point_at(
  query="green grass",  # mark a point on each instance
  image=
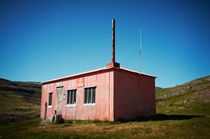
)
(192, 122)
(88, 122)
(182, 112)
(194, 127)
(19, 101)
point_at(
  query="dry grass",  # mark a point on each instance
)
(19, 101)
(195, 127)
(180, 118)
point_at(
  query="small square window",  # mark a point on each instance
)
(89, 96)
(71, 97)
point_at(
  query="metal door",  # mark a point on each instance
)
(59, 101)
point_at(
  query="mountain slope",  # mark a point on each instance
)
(184, 112)
(19, 100)
(190, 98)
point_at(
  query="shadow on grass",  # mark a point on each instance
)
(161, 117)
(158, 117)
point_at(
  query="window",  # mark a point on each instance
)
(90, 94)
(50, 99)
(71, 97)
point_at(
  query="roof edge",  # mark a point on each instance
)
(93, 71)
(141, 73)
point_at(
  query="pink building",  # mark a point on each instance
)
(111, 93)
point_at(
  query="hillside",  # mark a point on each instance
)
(182, 112)
(19, 100)
(192, 98)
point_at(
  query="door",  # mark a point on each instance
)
(59, 100)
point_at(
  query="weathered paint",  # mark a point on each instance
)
(120, 94)
(134, 95)
(103, 109)
(59, 94)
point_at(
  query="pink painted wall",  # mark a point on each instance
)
(134, 95)
(120, 94)
(103, 109)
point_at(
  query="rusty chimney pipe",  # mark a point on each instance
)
(113, 40)
(113, 64)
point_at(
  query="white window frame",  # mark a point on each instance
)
(68, 97)
(89, 104)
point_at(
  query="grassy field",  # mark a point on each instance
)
(19, 101)
(168, 126)
(182, 112)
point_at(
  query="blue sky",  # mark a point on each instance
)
(43, 40)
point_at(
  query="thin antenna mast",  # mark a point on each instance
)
(140, 51)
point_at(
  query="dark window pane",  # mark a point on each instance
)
(93, 95)
(85, 99)
(71, 99)
(89, 95)
(75, 97)
(50, 99)
(72, 95)
(68, 97)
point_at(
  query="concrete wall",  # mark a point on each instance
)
(134, 95)
(103, 109)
